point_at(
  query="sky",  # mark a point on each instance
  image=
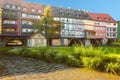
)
(111, 7)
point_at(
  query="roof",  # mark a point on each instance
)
(101, 17)
(38, 35)
(69, 13)
(29, 6)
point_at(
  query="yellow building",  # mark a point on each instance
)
(0, 20)
(89, 24)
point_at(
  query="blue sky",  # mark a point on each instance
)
(111, 7)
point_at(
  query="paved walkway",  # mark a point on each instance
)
(14, 67)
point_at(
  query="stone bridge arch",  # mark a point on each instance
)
(96, 42)
(75, 41)
(15, 42)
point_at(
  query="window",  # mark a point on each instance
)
(26, 31)
(33, 10)
(24, 9)
(39, 11)
(13, 6)
(107, 34)
(8, 6)
(19, 7)
(114, 29)
(114, 35)
(24, 15)
(9, 22)
(114, 24)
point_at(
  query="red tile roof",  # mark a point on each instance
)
(29, 6)
(101, 17)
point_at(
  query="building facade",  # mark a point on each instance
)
(118, 31)
(79, 26)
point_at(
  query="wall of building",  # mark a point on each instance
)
(118, 30)
(0, 20)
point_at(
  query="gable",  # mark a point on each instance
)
(37, 36)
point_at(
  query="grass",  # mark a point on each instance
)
(5, 48)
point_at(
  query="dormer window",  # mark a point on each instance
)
(39, 11)
(110, 19)
(105, 19)
(33, 10)
(24, 9)
(99, 18)
(8, 6)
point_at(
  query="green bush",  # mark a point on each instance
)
(88, 52)
(50, 54)
(93, 63)
(61, 58)
(71, 60)
(115, 44)
(111, 58)
(113, 68)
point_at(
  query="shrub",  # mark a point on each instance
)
(113, 68)
(93, 63)
(108, 58)
(115, 44)
(40, 52)
(88, 52)
(61, 58)
(50, 54)
(71, 60)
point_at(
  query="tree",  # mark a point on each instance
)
(46, 24)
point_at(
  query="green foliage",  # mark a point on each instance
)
(113, 68)
(97, 58)
(111, 58)
(5, 48)
(71, 60)
(115, 44)
(88, 52)
(61, 58)
(50, 54)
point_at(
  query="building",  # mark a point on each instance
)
(80, 26)
(118, 30)
(16, 19)
(105, 27)
(36, 40)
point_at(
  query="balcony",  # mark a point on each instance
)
(26, 26)
(27, 33)
(10, 25)
(9, 33)
(73, 34)
(10, 16)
